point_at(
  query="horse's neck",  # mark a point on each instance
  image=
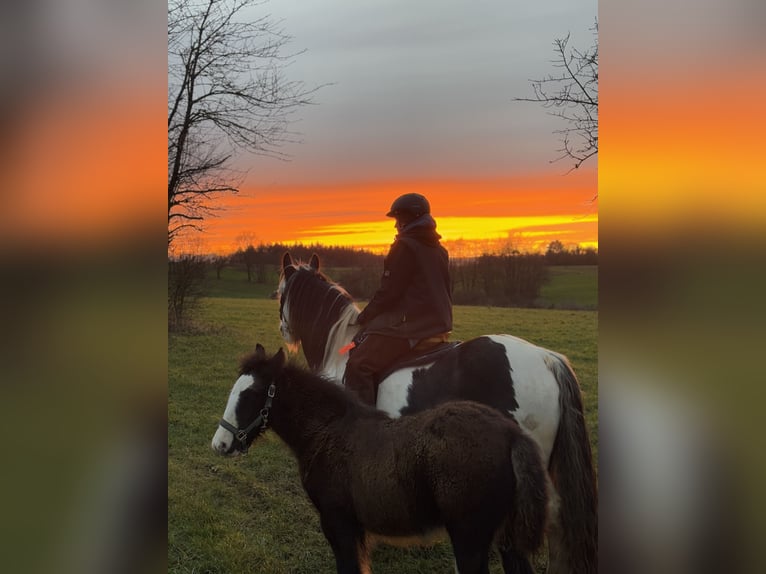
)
(333, 363)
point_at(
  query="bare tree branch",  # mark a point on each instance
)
(227, 92)
(572, 95)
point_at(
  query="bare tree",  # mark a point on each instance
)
(220, 262)
(246, 253)
(227, 92)
(186, 275)
(572, 94)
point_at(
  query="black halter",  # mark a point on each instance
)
(260, 422)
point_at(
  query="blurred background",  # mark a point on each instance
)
(83, 243)
(681, 328)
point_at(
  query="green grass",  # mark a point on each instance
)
(570, 287)
(234, 283)
(250, 514)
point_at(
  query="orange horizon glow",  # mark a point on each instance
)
(533, 232)
(523, 213)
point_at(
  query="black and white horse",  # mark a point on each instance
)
(535, 386)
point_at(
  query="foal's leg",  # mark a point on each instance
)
(515, 563)
(348, 546)
(471, 552)
(471, 560)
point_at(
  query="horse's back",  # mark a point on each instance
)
(502, 371)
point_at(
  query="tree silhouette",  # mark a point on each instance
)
(572, 94)
(227, 92)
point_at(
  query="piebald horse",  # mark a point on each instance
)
(533, 385)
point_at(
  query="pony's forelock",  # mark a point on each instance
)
(248, 363)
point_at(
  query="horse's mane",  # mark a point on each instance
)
(344, 330)
(316, 305)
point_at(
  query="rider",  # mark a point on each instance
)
(413, 305)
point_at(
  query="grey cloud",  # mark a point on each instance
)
(425, 88)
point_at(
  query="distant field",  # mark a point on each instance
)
(233, 283)
(250, 514)
(570, 287)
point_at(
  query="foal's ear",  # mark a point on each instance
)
(279, 358)
(287, 265)
(260, 352)
(314, 262)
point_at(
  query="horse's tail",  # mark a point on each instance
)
(525, 527)
(573, 533)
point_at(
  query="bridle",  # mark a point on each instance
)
(260, 422)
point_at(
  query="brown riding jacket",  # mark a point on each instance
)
(414, 300)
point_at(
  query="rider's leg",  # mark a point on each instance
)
(368, 360)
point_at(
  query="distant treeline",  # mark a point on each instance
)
(511, 279)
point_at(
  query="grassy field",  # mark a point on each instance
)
(570, 287)
(233, 283)
(250, 514)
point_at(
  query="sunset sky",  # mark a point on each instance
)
(680, 121)
(419, 97)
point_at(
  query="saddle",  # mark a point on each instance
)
(424, 353)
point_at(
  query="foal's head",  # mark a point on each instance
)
(247, 411)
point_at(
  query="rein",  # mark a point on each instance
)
(262, 420)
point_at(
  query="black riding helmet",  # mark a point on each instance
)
(409, 206)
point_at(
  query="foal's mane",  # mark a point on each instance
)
(316, 389)
(318, 307)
